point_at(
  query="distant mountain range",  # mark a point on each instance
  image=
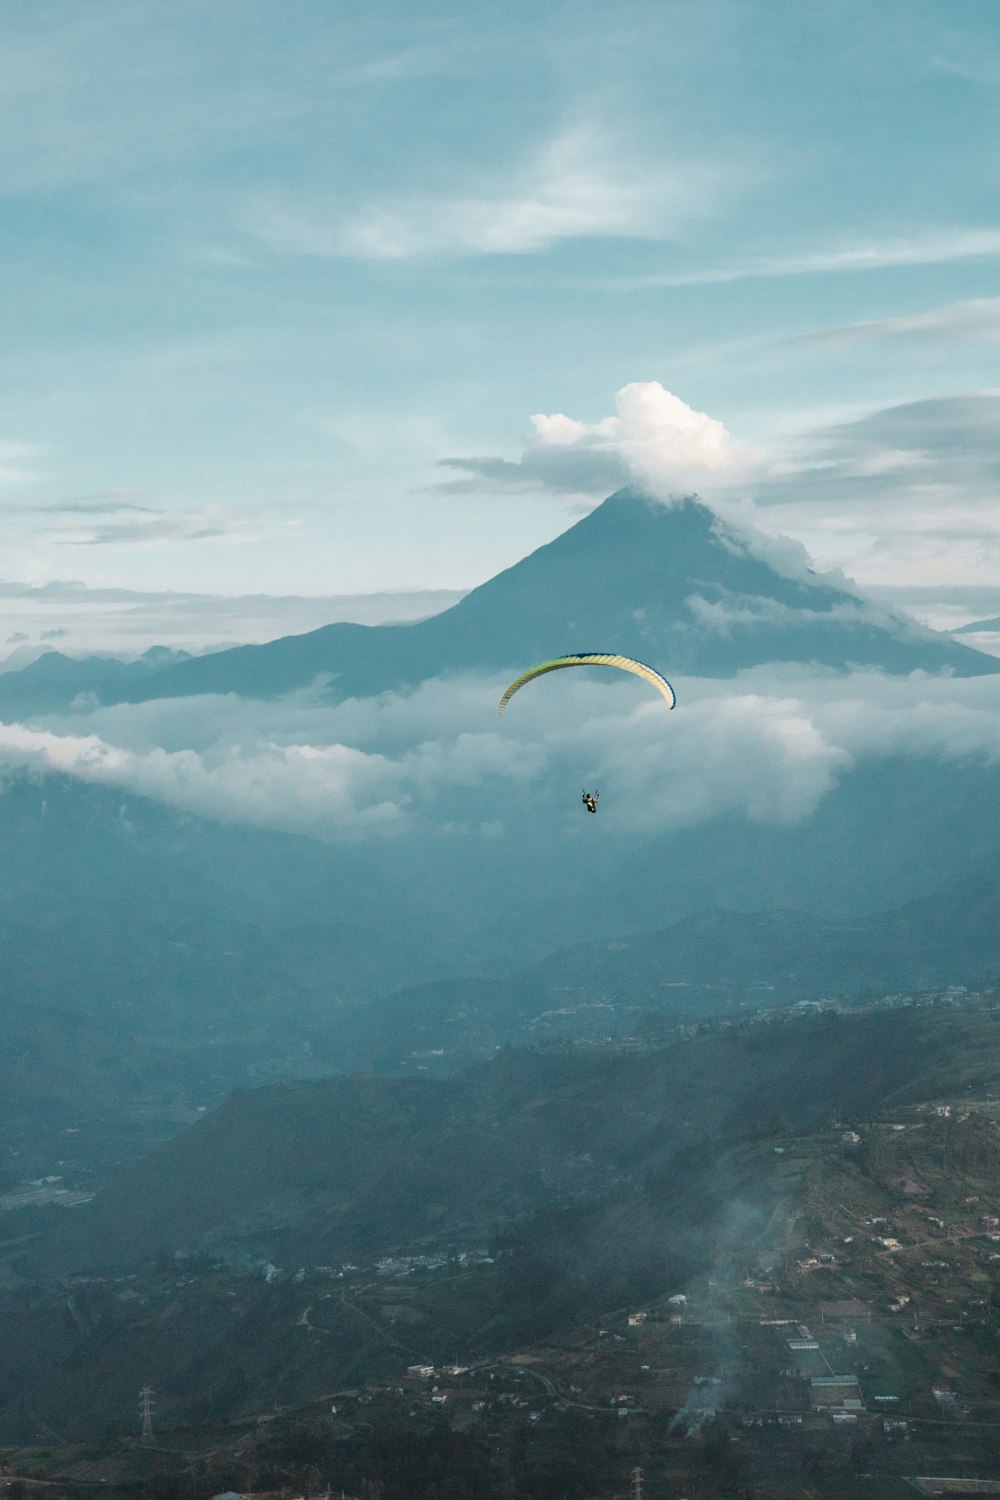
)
(710, 963)
(977, 626)
(52, 682)
(672, 584)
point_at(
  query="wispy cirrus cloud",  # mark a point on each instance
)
(962, 58)
(925, 248)
(164, 530)
(131, 620)
(105, 520)
(976, 320)
(405, 64)
(579, 185)
(946, 446)
(101, 502)
(15, 462)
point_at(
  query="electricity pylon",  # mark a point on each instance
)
(146, 1396)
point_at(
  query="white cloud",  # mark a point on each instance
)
(576, 187)
(655, 440)
(668, 446)
(227, 784)
(298, 766)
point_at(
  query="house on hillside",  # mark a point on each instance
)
(835, 1393)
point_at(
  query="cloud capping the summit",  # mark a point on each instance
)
(654, 440)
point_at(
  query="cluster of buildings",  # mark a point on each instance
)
(42, 1191)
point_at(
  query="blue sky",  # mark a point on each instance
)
(283, 283)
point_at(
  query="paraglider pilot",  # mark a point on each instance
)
(590, 801)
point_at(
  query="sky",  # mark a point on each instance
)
(310, 310)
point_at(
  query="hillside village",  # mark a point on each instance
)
(855, 1333)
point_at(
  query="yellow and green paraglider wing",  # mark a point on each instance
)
(592, 659)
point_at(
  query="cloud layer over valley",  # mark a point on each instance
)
(767, 745)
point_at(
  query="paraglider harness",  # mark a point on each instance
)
(590, 800)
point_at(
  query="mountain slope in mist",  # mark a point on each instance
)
(324, 1171)
(117, 907)
(710, 963)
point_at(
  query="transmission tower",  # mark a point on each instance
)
(146, 1397)
(637, 1490)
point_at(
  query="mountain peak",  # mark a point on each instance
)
(681, 587)
(674, 585)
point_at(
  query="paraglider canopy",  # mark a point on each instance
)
(592, 659)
